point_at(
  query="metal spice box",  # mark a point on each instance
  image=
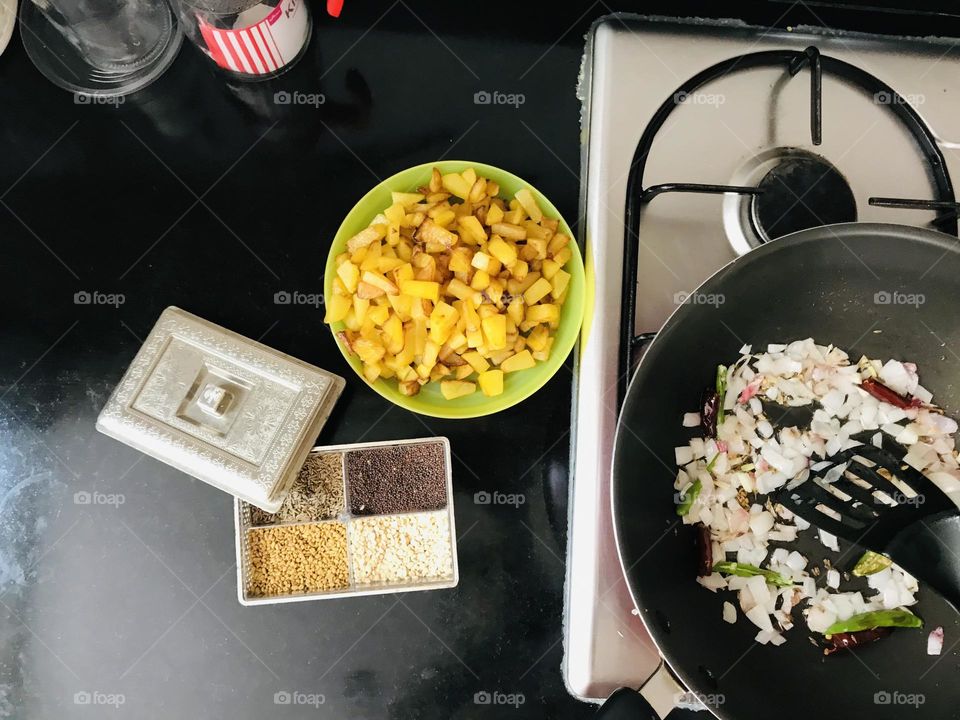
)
(226, 409)
(368, 508)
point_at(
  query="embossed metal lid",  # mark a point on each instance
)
(226, 409)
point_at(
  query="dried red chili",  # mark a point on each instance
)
(704, 550)
(882, 392)
(711, 408)
(849, 640)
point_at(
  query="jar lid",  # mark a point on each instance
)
(226, 409)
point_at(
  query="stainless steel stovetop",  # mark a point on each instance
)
(750, 126)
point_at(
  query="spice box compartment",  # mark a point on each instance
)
(383, 524)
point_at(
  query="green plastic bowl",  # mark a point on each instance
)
(517, 386)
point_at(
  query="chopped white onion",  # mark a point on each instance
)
(729, 612)
(691, 419)
(935, 641)
(753, 453)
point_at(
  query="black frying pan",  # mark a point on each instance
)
(829, 283)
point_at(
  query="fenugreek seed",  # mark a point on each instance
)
(295, 559)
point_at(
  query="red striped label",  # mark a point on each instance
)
(261, 48)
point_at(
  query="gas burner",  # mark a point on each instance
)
(801, 192)
(794, 190)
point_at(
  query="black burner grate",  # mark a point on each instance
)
(793, 61)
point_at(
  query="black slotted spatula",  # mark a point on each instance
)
(884, 505)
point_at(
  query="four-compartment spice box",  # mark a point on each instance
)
(327, 522)
(360, 519)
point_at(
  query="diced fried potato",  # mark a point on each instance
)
(471, 230)
(404, 199)
(549, 268)
(460, 289)
(452, 389)
(542, 313)
(494, 215)
(365, 237)
(350, 275)
(521, 361)
(337, 308)
(428, 290)
(476, 361)
(515, 310)
(360, 307)
(502, 251)
(544, 355)
(494, 291)
(443, 217)
(563, 256)
(368, 350)
(495, 331)
(491, 382)
(367, 291)
(456, 184)
(537, 339)
(385, 265)
(536, 292)
(479, 190)
(560, 282)
(526, 199)
(431, 232)
(393, 330)
(452, 283)
(378, 314)
(481, 261)
(460, 258)
(480, 281)
(379, 281)
(442, 321)
(558, 242)
(408, 387)
(538, 246)
(519, 269)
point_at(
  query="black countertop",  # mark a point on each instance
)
(205, 193)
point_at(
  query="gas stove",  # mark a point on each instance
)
(702, 141)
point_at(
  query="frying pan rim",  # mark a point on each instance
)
(823, 232)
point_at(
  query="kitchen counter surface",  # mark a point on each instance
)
(117, 573)
(212, 196)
